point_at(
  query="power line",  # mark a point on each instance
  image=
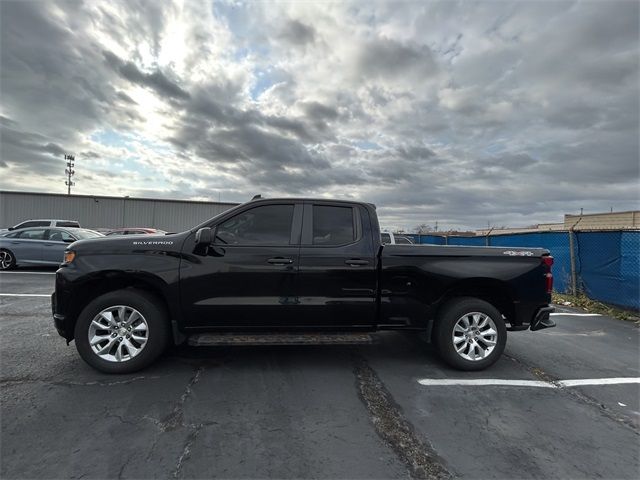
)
(70, 172)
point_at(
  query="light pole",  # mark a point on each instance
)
(70, 172)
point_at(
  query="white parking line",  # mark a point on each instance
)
(576, 314)
(527, 383)
(484, 381)
(598, 381)
(25, 295)
(29, 273)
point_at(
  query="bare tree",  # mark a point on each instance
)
(423, 228)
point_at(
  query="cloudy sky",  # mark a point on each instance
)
(508, 113)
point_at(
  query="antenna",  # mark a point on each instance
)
(70, 172)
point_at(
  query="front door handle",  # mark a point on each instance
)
(279, 261)
(356, 262)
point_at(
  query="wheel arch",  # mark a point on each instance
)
(112, 281)
(495, 292)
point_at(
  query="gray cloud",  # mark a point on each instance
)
(518, 114)
(297, 33)
(156, 80)
(387, 58)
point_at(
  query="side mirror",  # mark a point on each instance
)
(203, 236)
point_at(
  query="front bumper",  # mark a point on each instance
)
(542, 319)
(59, 321)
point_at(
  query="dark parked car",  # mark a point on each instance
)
(294, 265)
(38, 246)
(134, 231)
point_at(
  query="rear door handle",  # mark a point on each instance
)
(355, 262)
(279, 261)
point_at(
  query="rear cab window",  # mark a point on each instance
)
(333, 225)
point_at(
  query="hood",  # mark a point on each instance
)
(130, 243)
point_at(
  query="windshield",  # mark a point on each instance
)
(81, 233)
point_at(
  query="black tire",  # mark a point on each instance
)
(157, 334)
(453, 312)
(7, 259)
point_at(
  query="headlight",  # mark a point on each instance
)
(69, 256)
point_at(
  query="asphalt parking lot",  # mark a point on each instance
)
(390, 409)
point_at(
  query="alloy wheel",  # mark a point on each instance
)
(474, 336)
(118, 333)
(6, 259)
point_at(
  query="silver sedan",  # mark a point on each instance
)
(38, 246)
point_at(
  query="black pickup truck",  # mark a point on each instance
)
(293, 266)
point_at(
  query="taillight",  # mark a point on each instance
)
(548, 262)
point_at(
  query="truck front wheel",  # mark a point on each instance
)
(122, 331)
(470, 333)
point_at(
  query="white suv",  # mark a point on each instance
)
(46, 223)
(391, 239)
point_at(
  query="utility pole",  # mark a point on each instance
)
(70, 172)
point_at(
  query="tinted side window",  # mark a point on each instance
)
(67, 237)
(32, 224)
(68, 224)
(332, 225)
(386, 238)
(403, 241)
(266, 225)
(32, 234)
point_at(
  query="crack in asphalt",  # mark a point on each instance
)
(175, 419)
(186, 451)
(394, 429)
(576, 394)
(125, 464)
(12, 381)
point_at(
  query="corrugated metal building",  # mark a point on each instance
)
(629, 220)
(603, 221)
(94, 211)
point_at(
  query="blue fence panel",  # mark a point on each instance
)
(474, 241)
(630, 268)
(432, 239)
(602, 256)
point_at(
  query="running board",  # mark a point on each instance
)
(213, 339)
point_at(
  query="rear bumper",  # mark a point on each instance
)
(542, 319)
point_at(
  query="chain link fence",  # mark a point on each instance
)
(604, 265)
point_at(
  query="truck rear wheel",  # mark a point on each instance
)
(122, 331)
(470, 333)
